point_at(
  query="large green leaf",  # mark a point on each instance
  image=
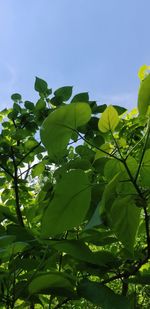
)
(54, 282)
(125, 219)
(109, 120)
(69, 205)
(144, 95)
(102, 295)
(57, 129)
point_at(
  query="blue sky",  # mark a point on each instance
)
(94, 45)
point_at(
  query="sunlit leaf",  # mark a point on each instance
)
(144, 95)
(108, 120)
(143, 71)
(57, 129)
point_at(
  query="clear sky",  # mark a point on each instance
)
(94, 45)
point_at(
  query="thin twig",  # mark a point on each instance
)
(94, 146)
(142, 156)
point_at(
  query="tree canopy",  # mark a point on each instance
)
(75, 198)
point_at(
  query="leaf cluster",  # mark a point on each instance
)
(74, 208)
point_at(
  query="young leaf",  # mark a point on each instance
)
(109, 120)
(40, 85)
(144, 95)
(57, 128)
(142, 73)
(66, 211)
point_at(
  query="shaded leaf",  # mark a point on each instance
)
(102, 295)
(57, 129)
(54, 282)
(108, 120)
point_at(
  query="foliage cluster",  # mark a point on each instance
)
(74, 212)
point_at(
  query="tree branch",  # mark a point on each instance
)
(28, 153)
(94, 146)
(16, 188)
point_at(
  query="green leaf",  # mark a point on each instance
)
(66, 211)
(40, 104)
(125, 219)
(51, 283)
(145, 169)
(81, 97)
(40, 85)
(109, 120)
(78, 250)
(75, 248)
(7, 214)
(112, 166)
(140, 279)
(29, 105)
(109, 196)
(64, 93)
(79, 163)
(6, 240)
(16, 97)
(38, 169)
(102, 296)
(144, 95)
(95, 220)
(57, 129)
(142, 73)
(120, 110)
(21, 233)
(15, 248)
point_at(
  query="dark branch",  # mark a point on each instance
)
(16, 188)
